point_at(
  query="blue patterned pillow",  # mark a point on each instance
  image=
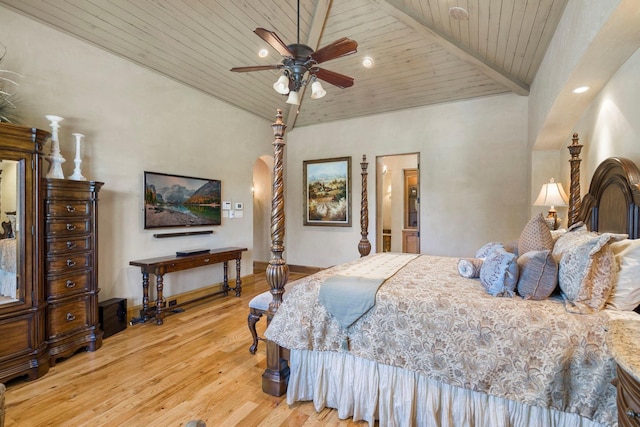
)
(499, 273)
(487, 249)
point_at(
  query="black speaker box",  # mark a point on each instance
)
(113, 316)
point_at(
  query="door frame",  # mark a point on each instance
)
(385, 199)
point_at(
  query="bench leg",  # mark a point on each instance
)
(254, 316)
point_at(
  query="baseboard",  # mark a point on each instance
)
(261, 267)
(183, 298)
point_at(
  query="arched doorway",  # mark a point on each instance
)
(262, 187)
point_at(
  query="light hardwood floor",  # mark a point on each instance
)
(195, 366)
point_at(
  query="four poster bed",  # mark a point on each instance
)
(440, 349)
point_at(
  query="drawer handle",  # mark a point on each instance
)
(71, 245)
(71, 284)
(70, 208)
(71, 227)
(71, 263)
(71, 317)
(206, 260)
(632, 414)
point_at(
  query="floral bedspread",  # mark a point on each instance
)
(429, 319)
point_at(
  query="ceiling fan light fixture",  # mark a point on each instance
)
(293, 98)
(282, 85)
(367, 62)
(317, 91)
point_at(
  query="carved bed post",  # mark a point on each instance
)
(364, 247)
(276, 375)
(574, 189)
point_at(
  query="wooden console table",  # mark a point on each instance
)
(161, 265)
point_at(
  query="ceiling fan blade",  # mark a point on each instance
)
(334, 78)
(338, 48)
(274, 41)
(256, 68)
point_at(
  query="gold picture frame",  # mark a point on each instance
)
(327, 192)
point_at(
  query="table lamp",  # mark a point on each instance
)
(552, 194)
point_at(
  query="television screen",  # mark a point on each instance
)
(180, 201)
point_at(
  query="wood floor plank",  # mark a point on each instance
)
(195, 366)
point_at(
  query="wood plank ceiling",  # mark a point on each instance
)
(421, 54)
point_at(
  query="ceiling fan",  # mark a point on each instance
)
(300, 64)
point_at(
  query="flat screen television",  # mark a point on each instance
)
(180, 201)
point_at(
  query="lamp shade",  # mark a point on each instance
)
(293, 98)
(317, 91)
(282, 85)
(551, 194)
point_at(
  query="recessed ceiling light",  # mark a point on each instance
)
(581, 89)
(458, 13)
(263, 53)
(367, 62)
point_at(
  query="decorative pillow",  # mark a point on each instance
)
(587, 269)
(484, 251)
(535, 236)
(470, 267)
(538, 275)
(626, 289)
(499, 273)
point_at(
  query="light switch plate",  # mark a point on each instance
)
(226, 206)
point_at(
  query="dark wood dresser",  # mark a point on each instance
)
(71, 266)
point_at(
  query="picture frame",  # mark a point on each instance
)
(327, 192)
(181, 201)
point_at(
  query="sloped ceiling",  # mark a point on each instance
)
(422, 55)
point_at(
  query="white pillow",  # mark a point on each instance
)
(626, 290)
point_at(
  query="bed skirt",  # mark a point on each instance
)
(365, 390)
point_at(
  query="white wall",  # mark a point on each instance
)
(611, 125)
(595, 46)
(474, 176)
(135, 120)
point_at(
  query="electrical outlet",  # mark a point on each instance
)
(173, 302)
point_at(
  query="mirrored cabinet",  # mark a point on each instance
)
(23, 346)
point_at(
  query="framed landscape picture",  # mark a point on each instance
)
(327, 192)
(180, 201)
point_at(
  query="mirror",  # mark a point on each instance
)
(9, 230)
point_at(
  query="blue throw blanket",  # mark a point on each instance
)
(348, 298)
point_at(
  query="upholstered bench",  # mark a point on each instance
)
(258, 306)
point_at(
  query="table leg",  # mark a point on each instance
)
(159, 299)
(238, 280)
(225, 284)
(145, 296)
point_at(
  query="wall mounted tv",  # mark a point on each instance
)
(180, 201)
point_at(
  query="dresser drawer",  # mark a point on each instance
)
(64, 192)
(60, 245)
(68, 285)
(67, 317)
(67, 264)
(68, 208)
(68, 228)
(628, 400)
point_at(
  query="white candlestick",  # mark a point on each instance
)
(77, 174)
(55, 157)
